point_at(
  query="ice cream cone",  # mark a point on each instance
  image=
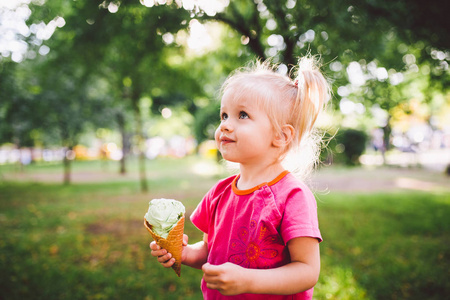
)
(173, 243)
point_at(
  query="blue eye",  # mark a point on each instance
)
(224, 116)
(243, 115)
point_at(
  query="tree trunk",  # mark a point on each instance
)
(67, 167)
(123, 168)
(141, 146)
(121, 123)
(142, 172)
(386, 139)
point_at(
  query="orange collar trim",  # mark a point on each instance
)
(249, 191)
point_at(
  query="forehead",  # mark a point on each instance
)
(240, 98)
(232, 102)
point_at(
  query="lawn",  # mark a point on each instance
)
(87, 240)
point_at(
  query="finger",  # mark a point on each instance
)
(206, 276)
(154, 246)
(211, 270)
(211, 279)
(212, 286)
(164, 258)
(185, 240)
(168, 263)
(158, 253)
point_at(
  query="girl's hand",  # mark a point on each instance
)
(165, 258)
(229, 279)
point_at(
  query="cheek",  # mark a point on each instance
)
(217, 135)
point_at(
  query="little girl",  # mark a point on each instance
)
(261, 233)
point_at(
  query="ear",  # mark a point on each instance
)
(285, 137)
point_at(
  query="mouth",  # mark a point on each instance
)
(226, 140)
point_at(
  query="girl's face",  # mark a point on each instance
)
(245, 134)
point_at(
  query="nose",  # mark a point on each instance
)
(225, 125)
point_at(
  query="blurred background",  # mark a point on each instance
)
(107, 104)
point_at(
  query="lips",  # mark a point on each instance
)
(226, 140)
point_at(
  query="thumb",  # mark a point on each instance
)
(205, 267)
(185, 239)
(209, 269)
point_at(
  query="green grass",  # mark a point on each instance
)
(385, 246)
(87, 241)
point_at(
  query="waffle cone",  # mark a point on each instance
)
(173, 243)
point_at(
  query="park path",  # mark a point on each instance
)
(379, 179)
(324, 180)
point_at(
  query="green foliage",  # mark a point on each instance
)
(394, 35)
(354, 142)
(205, 119)
(333, 23)
(345, 147)
(10, 108)
(102, 64)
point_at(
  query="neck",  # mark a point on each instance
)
(253, 175)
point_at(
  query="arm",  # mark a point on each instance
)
(193, 255)
(299, 275)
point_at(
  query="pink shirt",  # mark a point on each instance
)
(251, 228)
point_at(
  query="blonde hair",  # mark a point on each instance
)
(297, 102)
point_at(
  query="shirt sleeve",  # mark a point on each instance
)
(200, 216)
(300, 216)
(204, 213)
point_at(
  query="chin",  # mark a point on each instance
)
(230, 158)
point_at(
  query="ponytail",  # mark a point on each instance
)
(313, 92)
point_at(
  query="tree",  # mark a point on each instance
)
(121, 42)
(129, 49)
(131, 55)
(385, 41)
(352, 29)
(63, 104)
